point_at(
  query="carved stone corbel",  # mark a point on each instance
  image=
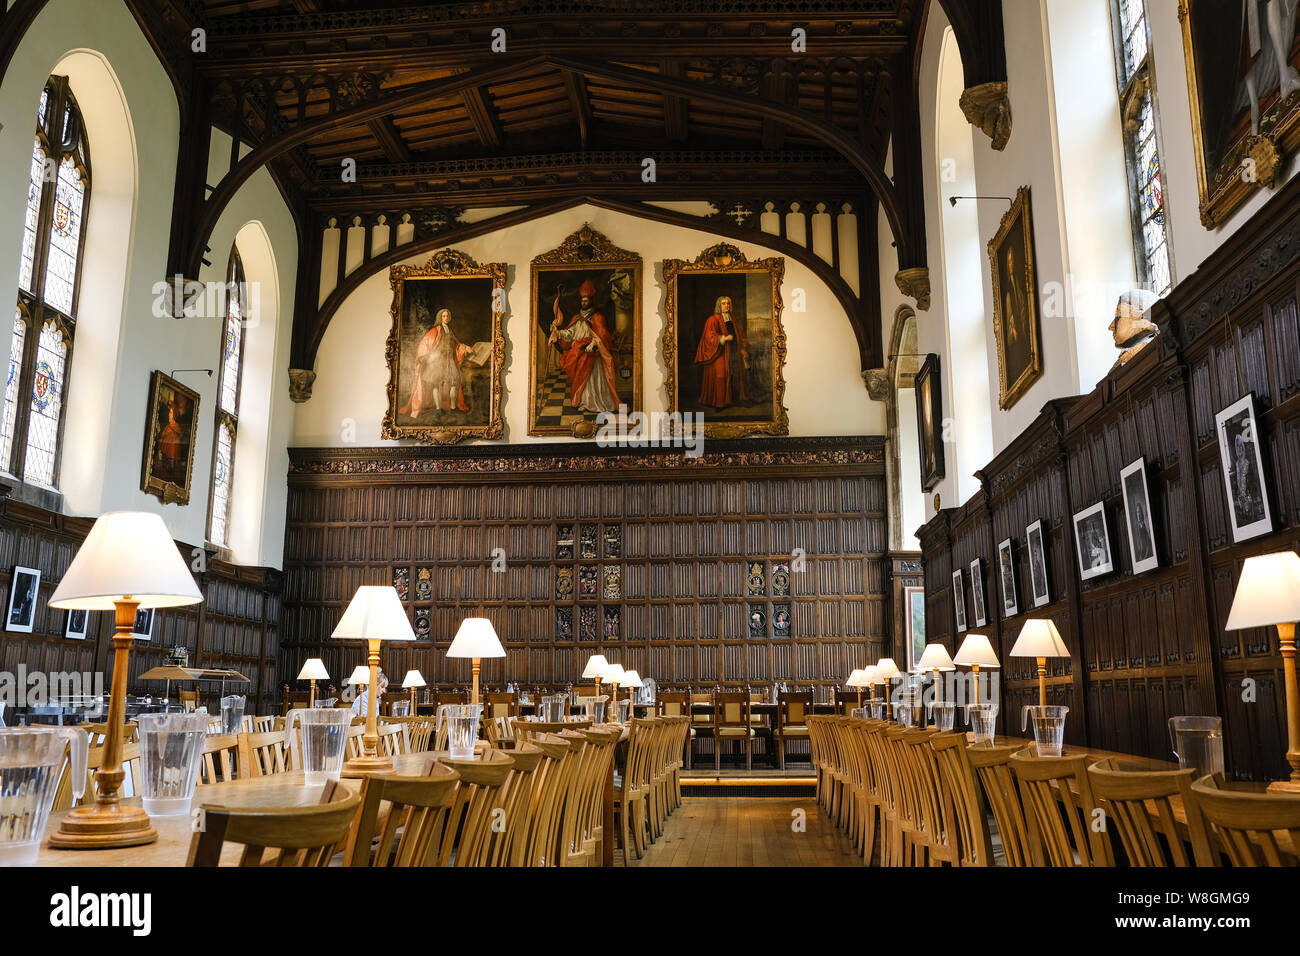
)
(915, 282)
(988, 108)
(300, 383)
(877, 382)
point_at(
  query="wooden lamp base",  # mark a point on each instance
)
(371, 761)
(97, 827)
(367, 766)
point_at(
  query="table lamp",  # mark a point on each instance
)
(869, 679)
(1268, 593)
(313, 671)
(596, 667)
(613, 675)
(976, 652)
(886, 671)
(857, 679)
(1039, 638)
(375, 614)
(476, 639)
(413, 680)
(127, 562)
(631, 680)
(361, 675)
(935, 658)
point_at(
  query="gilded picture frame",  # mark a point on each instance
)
(446, 350)
(583, 360)
(1233, 159)
(1015, 302)
(171, 430)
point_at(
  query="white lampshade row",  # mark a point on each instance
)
(630, 679)
(886, 670)
(361, 675)
(376, 613)
(856, 678)
(1268, 592)
(935, 657)
(127, 555)
(976, 651)
(869, 675)
(596, 666)
(1039, 638)
(613, 674)
(476, 638)
(414, 679)
(314, 669)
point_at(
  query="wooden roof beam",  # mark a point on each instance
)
(390, 139)
(576, 87)
(482, 116)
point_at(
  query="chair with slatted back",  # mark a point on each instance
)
(887, 793)
(220, 759)
(792, 712)
(1251, 829)
(1017, 830)
(872, 814)
(731, 723)
(964, 818)
(1139, 806)
(393, 740)
(97, 732)
(263, 754)
(518, 804)
(671, 703)
(500, 704)
(352, 743)
(911, 811)
(410, 831)
(932, 801)
(480, 795)
(545, 822)
(130, 786)
(1057, 794)
(632, 792)
(582, 821)
(303, 836)
(420, 732)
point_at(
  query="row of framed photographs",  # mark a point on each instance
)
(20, 614)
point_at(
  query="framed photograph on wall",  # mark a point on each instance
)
(446, 350)
(977, 592)
(24, 591)
(959, 600)
(1037, 548)
(1007, 575)
(929, 421)
(171, 429)
(75, 626)
(1137, 517)
(1243, 470)
(914, 608)
(142, 629)
(724, 348)
(1015, 302)
(1092, 542)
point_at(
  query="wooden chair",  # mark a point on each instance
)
(530, 729)
(1017, 831)
(393, 740)
(420, 732)
(1057, 793)
(97, 732)
(540, 847)
(518, 805)
(672, 704)
(1140, 805)
(264, 753)
(501, 704)
(792, 712)
(130, 787)
(963, 815)
(1252, 829)
(352, 743)
(189, 699)
(731, 722)
(304, 836)
(220, 759)
(631, 794)
(411, 830)
(480, 795)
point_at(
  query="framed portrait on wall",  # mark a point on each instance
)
(1092, 542)
(929, 421)
(959, 600)
(1137, 517)
(977, 593)
(1242, 62)
(76, 624)
(171, 429)
(446, 350)
(914, 608)
(24, 592)
(1243, 470)
(1007, 577)
(584, 335)
(1015, 302)
(1037, 548)
(142, 629)
(724, 348)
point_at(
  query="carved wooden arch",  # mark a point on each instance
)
(308, 340)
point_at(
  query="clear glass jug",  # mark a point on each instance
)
(232, 714)
(942, 713)
(171, 746)
(462, 728)
(319, 751)
(594, 708)
(624, 709)
(1197, 742)
(982, 719)
(1049, 727)
(30, 761)
(552, 709)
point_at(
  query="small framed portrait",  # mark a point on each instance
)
(170, 432)
(1243, 470)
(914, 608)
(1015, 302)
(1007, 576)
(757, 621)
(1037, 548)
(977, 592)
(24, 590)
(1093, 542)
(929, 421)
(959, 600)
(142, 629)
(76, 624)
(1137, 517)
(781, 620)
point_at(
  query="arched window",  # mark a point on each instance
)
(1133, 71)
(45, 318)
(227, 423)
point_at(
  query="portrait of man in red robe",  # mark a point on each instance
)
(586, 352)
(438, 381)
(723, 357)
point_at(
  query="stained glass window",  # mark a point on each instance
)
(49, 268)
(221, 480)
(227, 424)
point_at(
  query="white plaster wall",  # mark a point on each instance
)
(824, 392)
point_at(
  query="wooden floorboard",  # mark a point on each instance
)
(749, 831)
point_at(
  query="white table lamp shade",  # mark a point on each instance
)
(613, 674)
(376, 613)
(869, 675)
(935, 657)
(1268, 592)
(886, 670)
(476, 638)
(361, 675)
(314, 669)
(976, 651)
(126, 555)
(857, 678)
(1039, 638)
(596, 667)
(414, 679)
(630, 679)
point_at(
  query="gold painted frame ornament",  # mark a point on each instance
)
(585, 257)
(171, 430)
(1021, 296)
(726, 259)
(449, 264)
